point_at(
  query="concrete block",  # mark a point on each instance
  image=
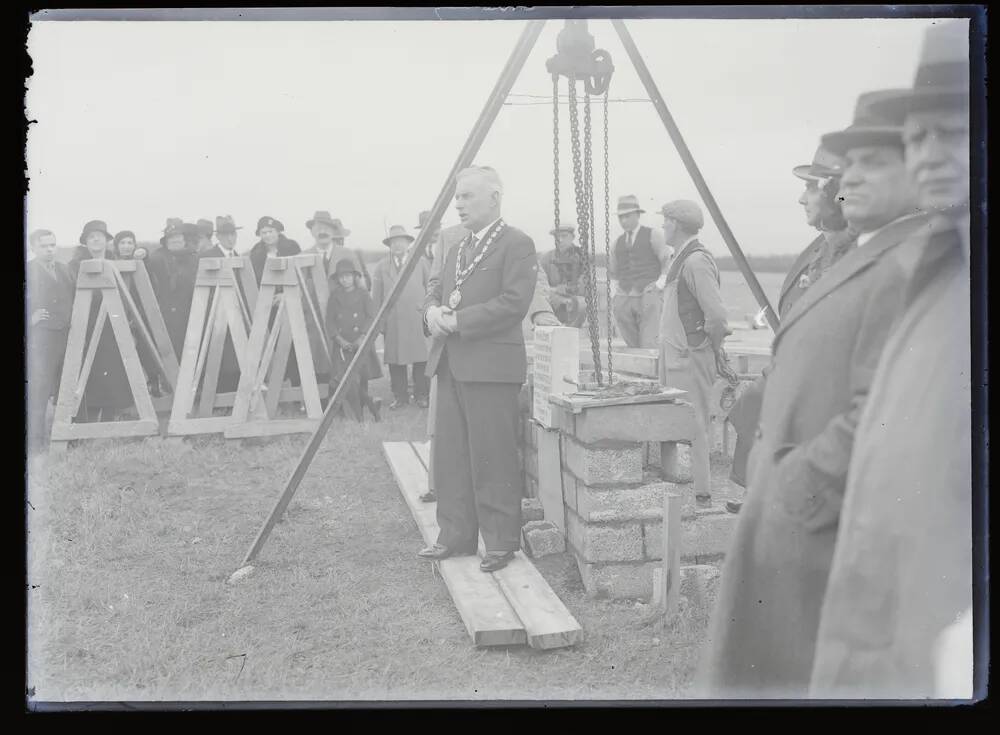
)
(604, 542)
(618, 581)
(703, 538)
(644, 502)
(543, 538)
(603, 463)
(639, 422)
(569, 486)
(653, 454)
(531, 510)
(700, 584)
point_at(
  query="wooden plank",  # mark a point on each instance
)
(185, 388)
(488, 617)
(105, 430)
(577, 402)
(670, 584)
(303, 354)
(277, 427)
(191, 427)
(95, 339)
(130, 357)
(158, 327)
(546, 620)
(210, 384)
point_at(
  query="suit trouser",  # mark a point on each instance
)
(745, 417)
(46, 350)
(400, 384)
(477, 478)
(638, 317)
(697, 376)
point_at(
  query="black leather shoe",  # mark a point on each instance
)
(429, 497)
(494, 561)
(733, 506)
(435, 551)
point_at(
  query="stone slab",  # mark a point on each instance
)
(543, 538)
(603, 463)
(618, 581)
(703, 538)
(605, 541)
(641, 422)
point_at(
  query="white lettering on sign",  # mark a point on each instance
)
(556, 368)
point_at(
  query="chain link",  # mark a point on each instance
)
(588, 180)
(607, 238)
(582, 218)
(555, 153)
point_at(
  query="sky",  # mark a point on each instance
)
(136, 122)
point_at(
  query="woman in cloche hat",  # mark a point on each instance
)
(272, 243)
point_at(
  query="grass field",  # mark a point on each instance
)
(131, 544)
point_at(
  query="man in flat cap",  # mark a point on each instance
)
(563, 268)
(897, 618)
(764, 626)
(693, 326)
(638, 266)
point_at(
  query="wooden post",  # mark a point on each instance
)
(136, 276)
(670, 580)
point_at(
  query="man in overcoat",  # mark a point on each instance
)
(896, 620)
(226, 234)
(49, 295)
(474, 312)
(763, 631)
(405, 346)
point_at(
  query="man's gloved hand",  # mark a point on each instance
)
(449, 321)
(434, 321)
(140, 254)
(545, 319)
(661, 282)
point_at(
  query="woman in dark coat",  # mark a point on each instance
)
(107, 393)
(349, 313)
(173, 270)
(272, 243)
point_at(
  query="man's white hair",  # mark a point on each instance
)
(487, 173)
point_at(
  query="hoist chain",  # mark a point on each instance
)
(588, 181)
(607, 238)
(582, 218)
(555, 153)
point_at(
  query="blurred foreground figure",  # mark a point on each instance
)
(763, 631)
(896, 621)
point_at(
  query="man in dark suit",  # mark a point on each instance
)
(764, 627)
(474, 312)
(50, 291)
(226, 233)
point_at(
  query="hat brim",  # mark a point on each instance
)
(228, 229)
(844, 140)
(630, 211)
(387, 240)
(896, 107)
(809, 172)
(83, 237)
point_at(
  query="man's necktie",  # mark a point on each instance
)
(628, 239)
(466, 252)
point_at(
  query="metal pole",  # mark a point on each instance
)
(465, 157)
(692, 169)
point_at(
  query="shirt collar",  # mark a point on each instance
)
(687, 242)
(866, 237)
(479, 234)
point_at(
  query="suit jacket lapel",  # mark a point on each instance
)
(804, 259)
(856, 261)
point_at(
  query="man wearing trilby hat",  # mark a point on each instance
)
(402, 326)
(823, 211)
(226, 234)
(638, 266)
(764, 626)
(902, 571)
(563, 268)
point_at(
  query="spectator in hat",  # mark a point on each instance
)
(226, 234)
(764, 627)
(107, 393)
(349, 314)
(328, 240)
(638, 267)
(173, 269)
(563, 268)
(95, 242)
(402, 326)
(693, 326)
(823, 212)
(423, 218)
(205, 230)
(272, 244)
(896, 620)
(49, 293)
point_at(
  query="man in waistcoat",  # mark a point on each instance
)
(693, 326)
(638, 266)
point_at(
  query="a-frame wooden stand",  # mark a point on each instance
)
(255, 409)
(137, 281)
(225, 297)
(117, 309)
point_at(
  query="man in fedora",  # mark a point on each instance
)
(822, 210)
(328, 240)
(693, 326)
(764, 626)
(474, 312)
(638, 266)
(226, 235)
(49, 292)
(896, 621)
(405, 344)
(563, 268)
